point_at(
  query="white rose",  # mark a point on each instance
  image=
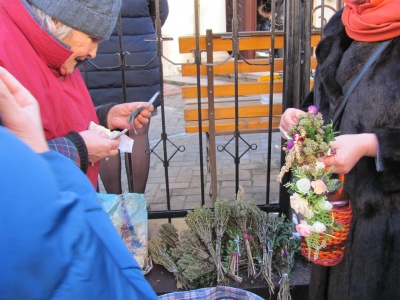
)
(318, 227)
(300, 206)
(320, 165)
(324, 205)
(303, 185)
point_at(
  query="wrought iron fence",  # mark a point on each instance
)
(301, 19)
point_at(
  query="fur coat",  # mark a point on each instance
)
(371, 266)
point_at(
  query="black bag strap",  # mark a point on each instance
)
(339, 110)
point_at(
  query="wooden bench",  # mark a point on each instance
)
(253, 116)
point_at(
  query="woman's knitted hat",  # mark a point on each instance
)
(96, 18)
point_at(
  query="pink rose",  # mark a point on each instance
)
(318, 186)
(304, 229)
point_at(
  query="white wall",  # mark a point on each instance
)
(180, 22)
(328, 12)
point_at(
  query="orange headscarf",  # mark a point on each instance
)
(372, 21)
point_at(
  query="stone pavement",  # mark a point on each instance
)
(183, 167)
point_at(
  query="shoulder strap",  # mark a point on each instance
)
(374, 56)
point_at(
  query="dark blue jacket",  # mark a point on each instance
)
(143, 75)
(56, 240)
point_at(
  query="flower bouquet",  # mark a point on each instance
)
(323, 216)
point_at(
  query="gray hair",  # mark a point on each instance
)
(96, 18)
(60, 32)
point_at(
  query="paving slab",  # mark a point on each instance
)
(184, 166)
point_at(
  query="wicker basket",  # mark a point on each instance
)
(333, 252)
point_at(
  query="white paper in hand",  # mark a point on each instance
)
(125, 144)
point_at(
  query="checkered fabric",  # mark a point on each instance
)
(65, 147)
(213, 293)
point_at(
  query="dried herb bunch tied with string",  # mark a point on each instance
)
(284, 261)
(243, 216)
(222, 214)
(265, 232)
(201, 221)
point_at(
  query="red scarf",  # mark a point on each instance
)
(373, 21)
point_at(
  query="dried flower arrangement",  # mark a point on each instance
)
(210, 252)
(312, 183)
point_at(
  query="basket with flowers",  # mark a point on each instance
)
(316, 197)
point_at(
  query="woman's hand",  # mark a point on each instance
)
(118, 115)
(349, 149)
(99, 145)
(289, 118)
(20, 112)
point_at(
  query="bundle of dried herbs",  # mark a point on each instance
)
(232, 245)
(222, 213)
(194, 261)
(264, 231)
(200, 273)
(159, 253)
(242, 212)
(285, 248)
(191, 243)
(284, 263)
(201, 221)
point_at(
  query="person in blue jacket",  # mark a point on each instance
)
(56, 240)
(133, 41)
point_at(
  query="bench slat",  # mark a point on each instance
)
(245, 124)
(228, 90)
(260, 42)
(258, 65)
(186, 44)
(226, 110)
